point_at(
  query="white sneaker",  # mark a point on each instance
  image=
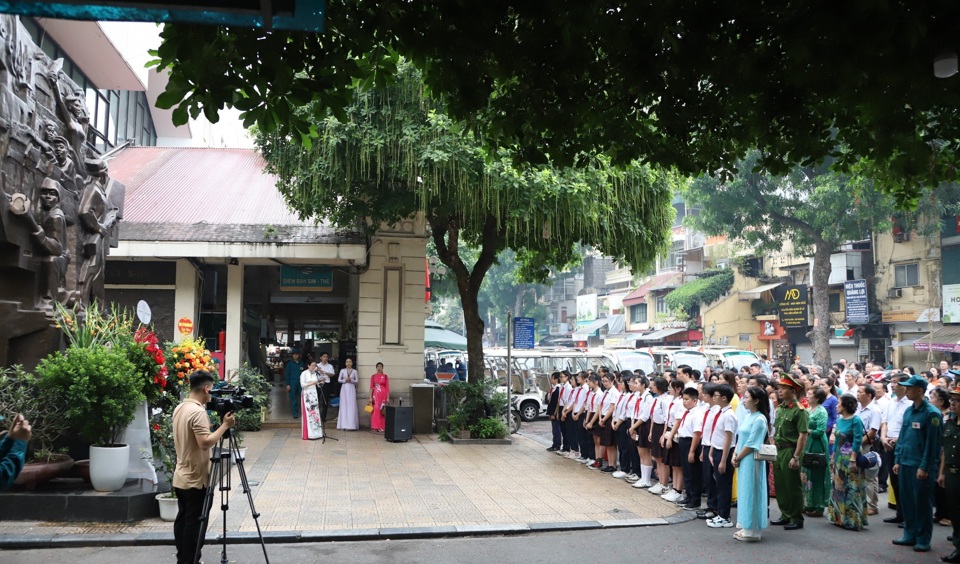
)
(589, 461)
(640, 485)
(631, 478)
(720, 523)
(657, 490)
(671, 496)
(619, 474)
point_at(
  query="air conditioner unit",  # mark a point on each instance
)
(895, 293)
(901, 237)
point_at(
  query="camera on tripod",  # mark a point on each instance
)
(229, 399)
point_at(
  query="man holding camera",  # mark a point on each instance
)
(193, 440)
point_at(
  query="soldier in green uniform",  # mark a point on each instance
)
(790, 436)
(949, 478)
(916, 461)
(291, 373)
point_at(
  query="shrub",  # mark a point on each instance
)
(489, 428)
(44, 409)
(708, 288)
(100, 387)
(470, 402)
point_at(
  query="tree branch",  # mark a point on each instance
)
(490, 244)
(785, 219)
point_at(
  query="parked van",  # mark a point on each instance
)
(734, 359)
(532, 368)
(669, 358)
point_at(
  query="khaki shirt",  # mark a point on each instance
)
(190, 420)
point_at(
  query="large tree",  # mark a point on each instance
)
(395, 153)
(673, 82)
(815, 209)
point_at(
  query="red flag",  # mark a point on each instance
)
(427, 286)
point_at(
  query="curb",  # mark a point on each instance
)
(20, 542)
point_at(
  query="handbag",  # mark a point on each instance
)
(368, 408)
(814, 460)
(766, 453)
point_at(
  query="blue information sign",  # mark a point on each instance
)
(523, 332)
(855, 294)
(306, 278)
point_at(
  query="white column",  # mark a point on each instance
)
(234, 318)
(185, 299)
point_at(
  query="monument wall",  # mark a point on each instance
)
(58, 206)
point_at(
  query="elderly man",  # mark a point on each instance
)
(916, 461)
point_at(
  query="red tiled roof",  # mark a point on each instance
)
(639, 295)
(175, 185)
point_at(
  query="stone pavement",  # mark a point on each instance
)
(365, 487)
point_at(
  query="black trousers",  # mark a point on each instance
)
(692, 472)
(724, 484)
(888, 458)
(629, 457)
(587, 448)
(707, 478)
(558, 433)
(187, 529)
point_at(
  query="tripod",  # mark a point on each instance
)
(220, 476)
(323, 419)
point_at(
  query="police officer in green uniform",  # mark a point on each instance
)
(916, 461)
(790, 436)
(949, 478)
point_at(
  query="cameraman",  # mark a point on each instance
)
(13, 450)
(192, 440)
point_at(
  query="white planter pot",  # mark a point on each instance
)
(108, 467)
(243, 454)
(168, 507)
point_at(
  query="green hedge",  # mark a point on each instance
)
(708, 288)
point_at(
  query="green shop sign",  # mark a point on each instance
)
(306, 278)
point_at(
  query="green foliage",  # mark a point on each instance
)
(164, 450)
(92, 327)
(566, 81)
(470, 402)
(708, 288)
(100, 388)
(257, 386)
(44, 408)
(489, 428)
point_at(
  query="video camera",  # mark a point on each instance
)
(229, 399)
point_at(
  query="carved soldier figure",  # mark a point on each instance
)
(74, 115)
(96, 218)
(49, 233)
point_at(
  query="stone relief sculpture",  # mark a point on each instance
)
(58, 206)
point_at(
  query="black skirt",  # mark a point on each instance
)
(655, 448)
(607, 437)
(673, 456)
(642, 431)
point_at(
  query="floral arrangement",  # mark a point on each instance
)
(92, 327)
(164, 453)
(185, 357)
(145, 353)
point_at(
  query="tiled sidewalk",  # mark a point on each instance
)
(364, 482)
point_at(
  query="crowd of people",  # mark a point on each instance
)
(824, 444)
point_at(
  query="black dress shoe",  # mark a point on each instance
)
(904, 542)
(553, 449)
(793, 526)
(953, 558)
(893, 519)
(780, 521)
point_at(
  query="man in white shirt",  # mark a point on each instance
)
(707, 426)
(890, 433)
(872, 419)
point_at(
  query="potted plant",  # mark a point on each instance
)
(102, 392)
(19, 393)
(165, 460)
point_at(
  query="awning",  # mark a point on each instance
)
(907, 342)
(757, 293)
(436, 336)
(661, 334)
(945, 339)
(583, 333)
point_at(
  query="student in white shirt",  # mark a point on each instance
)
(711, 416)
(721, 449)
(659, 418)
(671, 454)
(629, 458)
(639, 427)
(604, 420)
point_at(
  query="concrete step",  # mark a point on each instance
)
(281, 424)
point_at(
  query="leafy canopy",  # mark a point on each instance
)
(685, 84)
(398, 154)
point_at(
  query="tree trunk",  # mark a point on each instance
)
(446, 238)
(821, 304)
(518, 301)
